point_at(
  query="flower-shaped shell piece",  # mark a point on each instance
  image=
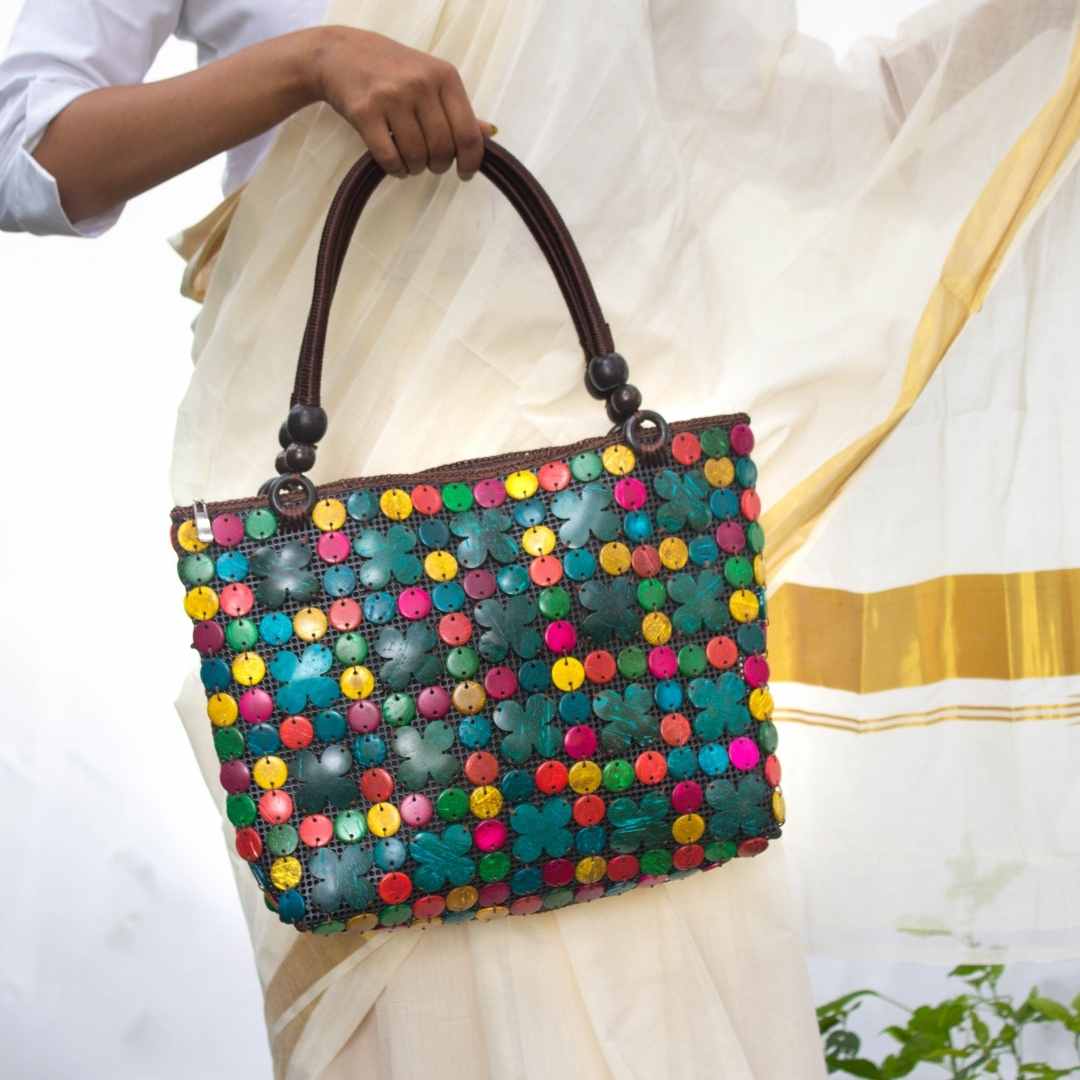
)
(284, 573)
(629, 717)
(530, 728)
(425, 754)
(585, 515)
(408, 656)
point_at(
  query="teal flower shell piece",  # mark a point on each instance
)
(529, 729)
(389, 555)
(442, 859)
(324, 781)
(508, 627)
(484, 537)
(303, 679)
(637, 825)
(340, 880)
(585, 515)
(740, 807)
(408, 656)
(284, 573)
(628, 717)
(684, 500)
(702, 602)
(721, 702)
(612, 610)
(425, 755)
(541, 829)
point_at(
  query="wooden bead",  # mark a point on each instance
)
(306, 423)
(624, 401)
(605, 373)
(299, 457)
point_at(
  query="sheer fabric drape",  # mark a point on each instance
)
(766, 231)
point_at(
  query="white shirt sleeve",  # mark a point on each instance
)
(60, 49)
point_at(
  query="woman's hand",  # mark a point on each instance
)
(410, 108)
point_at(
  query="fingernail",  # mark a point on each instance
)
(494, 129)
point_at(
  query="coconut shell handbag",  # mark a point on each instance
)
(495, 687)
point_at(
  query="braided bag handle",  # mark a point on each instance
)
(606, 372)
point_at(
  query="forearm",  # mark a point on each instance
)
(111, 144)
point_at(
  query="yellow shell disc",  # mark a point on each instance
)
(328, 514)
(248, 668)
(310, 623)
(270, 772)
(521, 485)
(615, 557)
(383, 819)
(461, 898)
(285, 872)
(590, 869)
(222, 709)
(656, 628)
(357, 682)
(201, 602)
(760, 703)
(538, 540)
(440, 565)
(688, 828)
(567, 673)
(744, 605)
(673, 552)
(585, 777)
(719, 471)
(485, 801)
(395, 504)
(188, 537)
(617, 459)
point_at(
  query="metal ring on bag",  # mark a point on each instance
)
(632, 431)
(281, 492)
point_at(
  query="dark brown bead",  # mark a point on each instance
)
(299, 457)
(306, 423)
(624, 401)
(605, 373)
(279, 463)
(283, 436)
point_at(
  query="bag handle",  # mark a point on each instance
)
(606, 371)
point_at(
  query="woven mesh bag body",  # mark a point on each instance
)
(493, 687)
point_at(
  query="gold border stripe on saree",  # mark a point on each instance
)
(1022, 625)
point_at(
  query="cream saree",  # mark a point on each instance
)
(766, 231)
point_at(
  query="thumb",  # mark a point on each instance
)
(488, 128)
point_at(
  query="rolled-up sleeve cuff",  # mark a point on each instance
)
(31, 200)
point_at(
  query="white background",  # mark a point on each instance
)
(126, 953)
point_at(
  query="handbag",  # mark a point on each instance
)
(497, 686)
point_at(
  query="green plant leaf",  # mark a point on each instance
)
(982, 1032)
(899, 1065)
(842, 1044)
(840, 1002)
(858, 1067)
(1050, 1009)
